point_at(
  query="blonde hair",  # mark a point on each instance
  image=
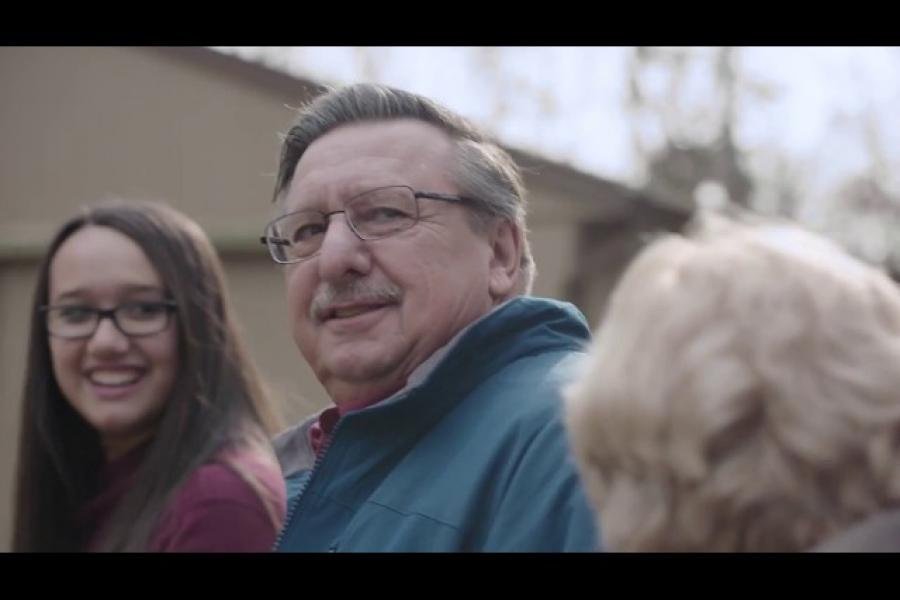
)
(743, 393)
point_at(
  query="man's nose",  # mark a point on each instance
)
(342, 251)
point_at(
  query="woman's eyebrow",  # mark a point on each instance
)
(79, 293)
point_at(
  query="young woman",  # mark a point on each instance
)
(144, 424)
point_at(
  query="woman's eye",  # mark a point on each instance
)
(75, 314)
(142, 310)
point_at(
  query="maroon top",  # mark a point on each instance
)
(215, 510)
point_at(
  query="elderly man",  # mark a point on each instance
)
(407, 270)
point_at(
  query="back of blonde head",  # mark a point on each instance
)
(743, 393)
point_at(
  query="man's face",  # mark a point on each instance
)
(365, 314)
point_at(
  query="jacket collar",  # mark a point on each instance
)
(518, 327)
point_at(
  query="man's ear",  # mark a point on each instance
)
(506, 259)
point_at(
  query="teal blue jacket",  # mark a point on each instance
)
(473, 458)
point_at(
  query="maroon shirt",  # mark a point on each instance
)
(320, 431)
(215, 510)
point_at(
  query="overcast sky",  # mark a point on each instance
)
(569, 103)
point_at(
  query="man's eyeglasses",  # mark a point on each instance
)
(134, 319)
(372, 215)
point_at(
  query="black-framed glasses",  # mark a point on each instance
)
(371, 215)
(134, 319)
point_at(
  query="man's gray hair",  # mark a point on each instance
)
(483, 171)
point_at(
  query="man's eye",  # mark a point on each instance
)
(307, 232)
(381, 214)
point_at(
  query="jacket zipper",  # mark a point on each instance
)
(292, 509)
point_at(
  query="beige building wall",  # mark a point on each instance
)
(200, 131)
(83, 124)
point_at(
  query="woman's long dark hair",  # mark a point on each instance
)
(216, 400)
